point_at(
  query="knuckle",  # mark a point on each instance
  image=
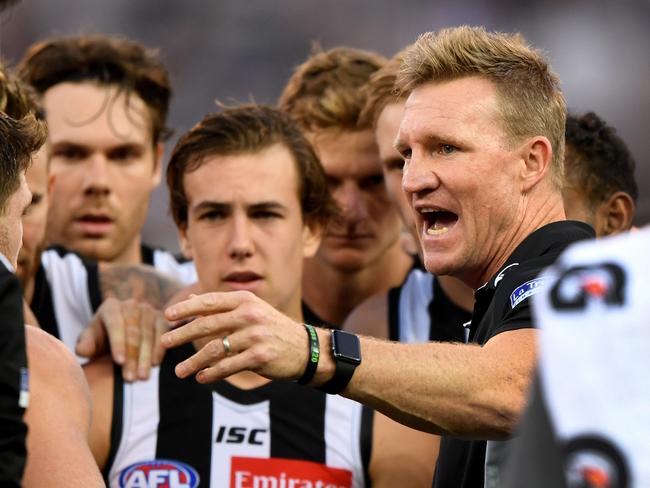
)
(257, 334)
(260, 355)
(213, 348)
(209, 300)
(251, 314)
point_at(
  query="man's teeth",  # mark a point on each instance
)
(436, 230)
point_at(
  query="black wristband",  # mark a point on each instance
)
(314, 355)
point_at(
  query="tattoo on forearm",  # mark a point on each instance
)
(139, 282)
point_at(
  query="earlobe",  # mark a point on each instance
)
(537, 158)
(186, 245)
(311, 237)
(615, 214)
(159, 151)
(51, 178)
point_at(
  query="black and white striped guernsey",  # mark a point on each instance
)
(66, 294)
(67, 289)
(278, 435)
(420, 311)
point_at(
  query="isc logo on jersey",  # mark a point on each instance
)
(159, 473)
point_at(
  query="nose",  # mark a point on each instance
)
(96, 179)
(418, 177)
(241, 242)
(352, 202)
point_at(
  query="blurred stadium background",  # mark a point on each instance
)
(242, 50)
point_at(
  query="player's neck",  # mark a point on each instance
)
(550, 210)
(333, 293)
(132, 254)
(457, 292)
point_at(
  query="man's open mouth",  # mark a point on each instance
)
(438, 222)
(242, 277)
(95, 219)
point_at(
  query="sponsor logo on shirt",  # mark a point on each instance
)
(247, 472)
(526, 290)
(580, 286)
(159, 473)
(502, 273)
(240, 435)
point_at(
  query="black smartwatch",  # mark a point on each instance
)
(346, 351)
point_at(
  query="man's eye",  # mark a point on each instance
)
(447, 149)
(265, 215)
(211, 216)
(406, 154)
(372, 181)
(123, 154)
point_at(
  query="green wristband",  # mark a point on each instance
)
(314, 355)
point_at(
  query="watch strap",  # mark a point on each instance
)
(344, 367)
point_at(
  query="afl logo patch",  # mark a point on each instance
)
(159, 473)
(582, 285)
(594, 462)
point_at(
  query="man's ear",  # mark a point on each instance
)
(158, 153)
(311, 237)
(51, 178)
(186, 245)
(537, 156)
(615, 214)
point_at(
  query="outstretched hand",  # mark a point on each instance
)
(130, 331)
(259, 338)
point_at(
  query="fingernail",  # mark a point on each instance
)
(180, 370)
(142, 373)
(119, 358)
(129, 376)
(171, 312)
(166, 339)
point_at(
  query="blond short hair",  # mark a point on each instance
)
(380, 90)
(530, 100)
(325, 91)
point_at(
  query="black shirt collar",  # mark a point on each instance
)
(555, 235)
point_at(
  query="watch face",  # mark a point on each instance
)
(345, 346)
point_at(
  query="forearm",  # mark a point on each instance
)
(141, 283)
(453, 389)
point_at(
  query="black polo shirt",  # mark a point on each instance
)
(501, 305)
(13, 380)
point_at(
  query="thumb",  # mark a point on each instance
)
(92, 340)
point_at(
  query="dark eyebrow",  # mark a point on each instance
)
(211, 205)
(68, 145)
(133, 146)
(267, 206)
(226, 207)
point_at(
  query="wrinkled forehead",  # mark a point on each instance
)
(83, 109)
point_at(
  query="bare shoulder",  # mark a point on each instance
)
(58, 417)
(51, 365)
(370, 317)
(401, 456)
